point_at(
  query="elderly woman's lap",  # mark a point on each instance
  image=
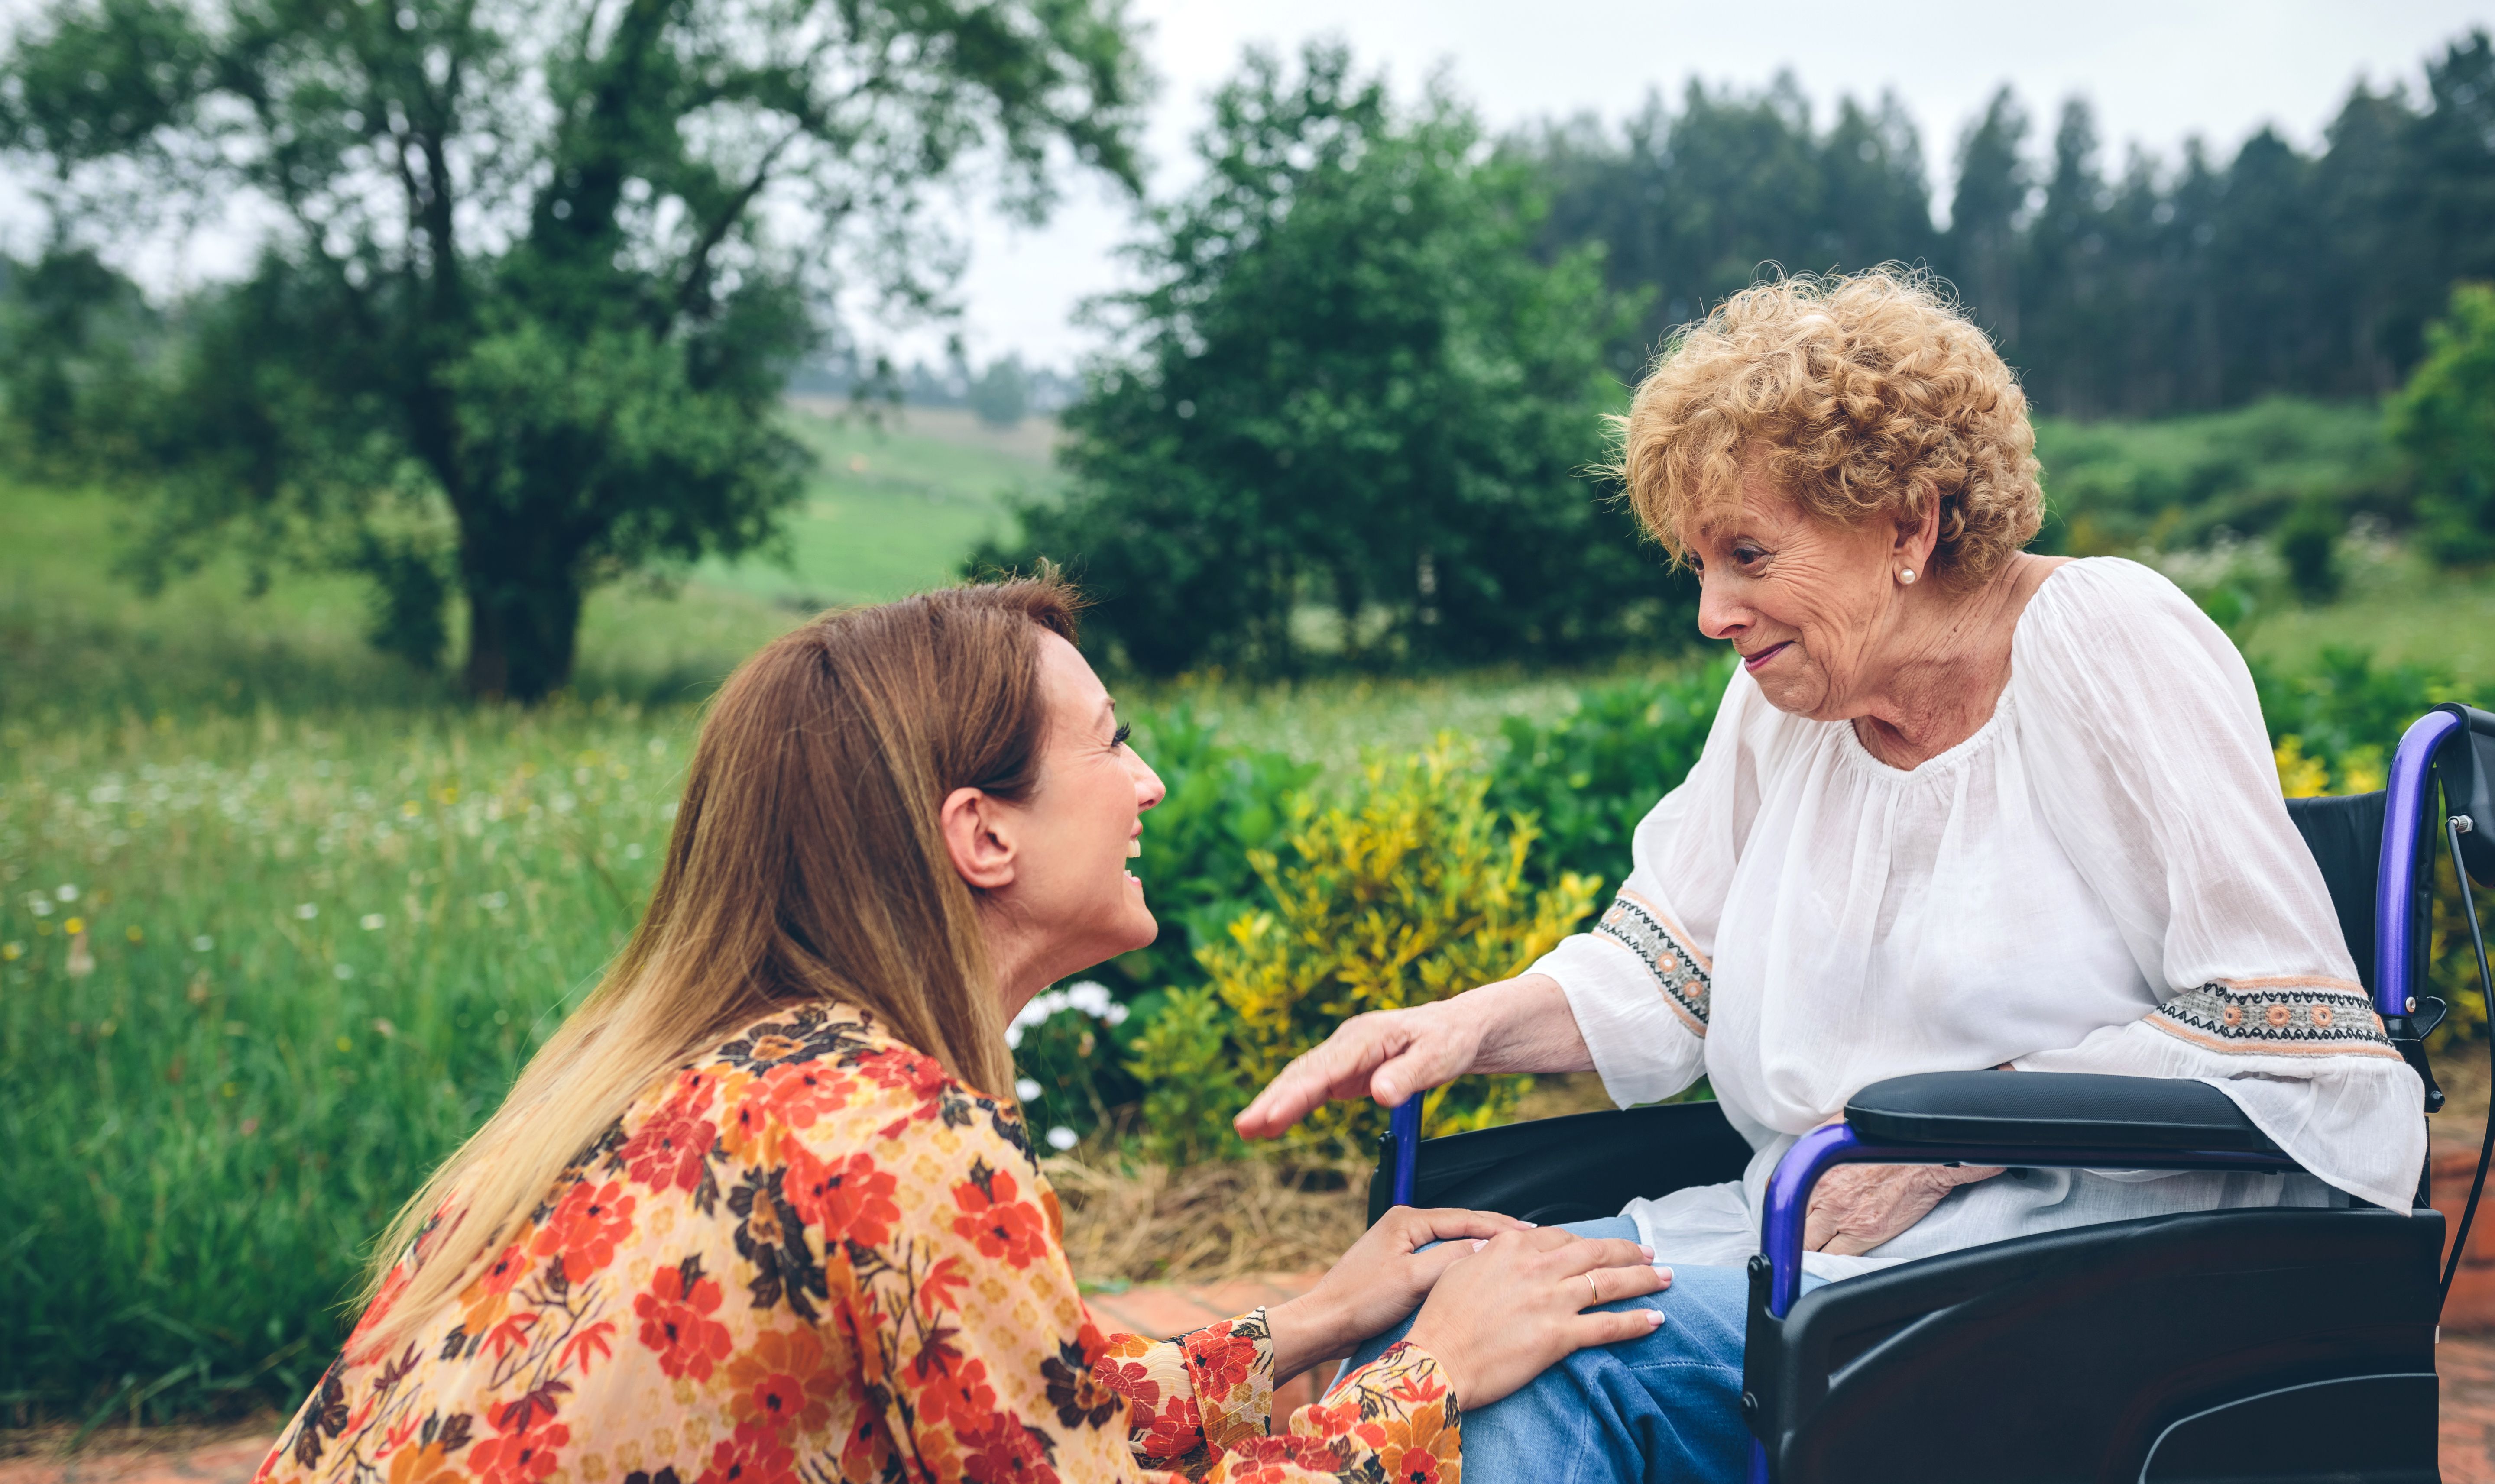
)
(1664, 1408)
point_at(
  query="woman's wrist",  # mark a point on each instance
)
(1523, 1025)
(1304, 1331)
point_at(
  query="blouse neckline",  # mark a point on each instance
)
(1956, 753)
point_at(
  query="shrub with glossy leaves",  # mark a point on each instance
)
(1588, 778)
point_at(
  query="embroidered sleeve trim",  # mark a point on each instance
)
(2277, 1017)
(1681, 972)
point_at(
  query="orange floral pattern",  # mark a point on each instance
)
(812, 1257)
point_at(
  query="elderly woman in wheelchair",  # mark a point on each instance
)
(1964, 809)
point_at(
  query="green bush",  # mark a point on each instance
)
(1588, 778)
(2444, 420)
(1065, 1052)
(2308, 543)
(2117, 487)
(1190, 1078)
(1408, 891)
(2347, 710)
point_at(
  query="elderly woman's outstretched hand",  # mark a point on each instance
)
(1520, 1024)
(1388, 1054)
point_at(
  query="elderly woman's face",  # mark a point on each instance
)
(1807, 603)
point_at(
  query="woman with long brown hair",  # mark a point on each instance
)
(754, 1213)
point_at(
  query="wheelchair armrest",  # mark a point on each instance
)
(2041, 1110)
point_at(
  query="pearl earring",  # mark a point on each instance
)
(1907, 576)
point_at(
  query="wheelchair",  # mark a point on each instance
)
(2250, 1346)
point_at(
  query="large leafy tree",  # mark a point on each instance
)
(1348, 386)
(530, 276)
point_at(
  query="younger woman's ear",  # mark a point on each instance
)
(978, 837)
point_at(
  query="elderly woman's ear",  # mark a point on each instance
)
(1911, 557)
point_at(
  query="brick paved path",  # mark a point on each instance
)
(2466, 1363)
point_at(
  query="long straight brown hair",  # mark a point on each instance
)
(805, 865)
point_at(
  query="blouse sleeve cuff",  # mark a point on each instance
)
(1646, 1042)
(1398, 1404)
(1231, 1367)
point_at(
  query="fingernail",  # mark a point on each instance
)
(1665, 1273)
(1654, 1318)
(1528, 1225)
(1480, 1242)
(1648, 1251)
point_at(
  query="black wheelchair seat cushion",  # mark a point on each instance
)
(2053, 1110)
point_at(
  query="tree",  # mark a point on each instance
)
(538, 272)
(1986, 212)
(1691, 206)
(1349, 385)
(2444, 420)
(1002, 394)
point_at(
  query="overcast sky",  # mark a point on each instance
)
(2158, 72)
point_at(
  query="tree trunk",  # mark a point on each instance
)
(521, 636)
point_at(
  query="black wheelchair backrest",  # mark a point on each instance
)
(2345, 834)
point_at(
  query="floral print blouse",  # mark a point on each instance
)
(813, 1256)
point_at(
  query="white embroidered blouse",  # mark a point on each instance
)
(2101, 879)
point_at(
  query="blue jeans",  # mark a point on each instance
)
(1662, 1409)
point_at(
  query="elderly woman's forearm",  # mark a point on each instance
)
(1525, 1025)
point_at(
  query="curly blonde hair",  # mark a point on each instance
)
(1863, 395)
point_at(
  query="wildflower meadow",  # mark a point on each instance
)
(257, 973)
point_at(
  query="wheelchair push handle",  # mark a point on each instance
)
(1404, 1141)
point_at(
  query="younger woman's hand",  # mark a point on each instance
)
(1377, 1283)
(1505, 1311)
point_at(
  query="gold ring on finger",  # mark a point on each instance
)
(1592, 1289)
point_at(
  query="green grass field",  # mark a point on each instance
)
(280, 917)
(894, 505)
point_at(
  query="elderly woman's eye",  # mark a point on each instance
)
(1118, 739)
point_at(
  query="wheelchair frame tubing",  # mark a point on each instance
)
(2408, 797)
(1403, 1130)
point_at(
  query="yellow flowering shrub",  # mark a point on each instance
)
(1407, 890)
(2302, 776)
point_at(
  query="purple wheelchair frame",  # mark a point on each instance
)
(2407, 792)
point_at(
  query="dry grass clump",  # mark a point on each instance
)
(1226, 1218)
(1206, 1222)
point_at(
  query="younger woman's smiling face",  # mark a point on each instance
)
(1811, 606)
(1082, 828)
